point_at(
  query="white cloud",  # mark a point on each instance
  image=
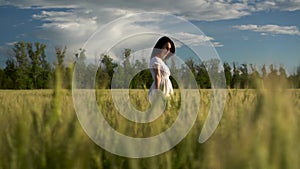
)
(194, 9)
(10, 43)
(217, 44)
(215, 10)
(68, 22)
(38, 4)
(73, 27)
(207, 10)
(282, 5)
(69, 27)
(195, 39)
(270, 29)
(73, 23)
(265, 5)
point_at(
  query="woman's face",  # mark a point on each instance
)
(166, 49)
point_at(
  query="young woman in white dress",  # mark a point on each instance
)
(163, 50)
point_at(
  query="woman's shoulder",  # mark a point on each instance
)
(156, 59)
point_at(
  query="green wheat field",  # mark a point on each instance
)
(39, 129)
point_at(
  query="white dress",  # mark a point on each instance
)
(165, 83)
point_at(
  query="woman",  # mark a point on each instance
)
(163, 50)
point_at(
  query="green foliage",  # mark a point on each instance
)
(202, 76)
(227, 72)
(22, 66)
(2, 78)
(235, 81)
(105, 72)
(40, 68)
(27, 68)
(295, 78)
(66, 72)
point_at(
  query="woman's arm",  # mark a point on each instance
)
(157, 77)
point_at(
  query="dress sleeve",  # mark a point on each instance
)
(154, 64)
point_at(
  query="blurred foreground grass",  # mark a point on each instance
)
(259, 129)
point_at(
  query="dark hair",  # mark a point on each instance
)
(160, 44)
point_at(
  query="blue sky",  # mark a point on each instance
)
(247, 31)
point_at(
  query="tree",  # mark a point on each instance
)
(109, 65)
(2, 78)
(235, 83)
(214, 69)
(27, 67)
(60, 67)
(202, 77)
(227, 72)
(46, 71)
(298, 77)
(294, 79)
(297, 81)
(102, 79)
(142, 79)
(254, 77)
(22, 66)
(273, 76)
(191, 65)
(80, 69)
(10, 74)
(244, 77)
(174, 74)
(282, 75)
(39, 67)
(60, 56)
(127, 53)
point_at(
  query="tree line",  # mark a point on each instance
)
(27, 68)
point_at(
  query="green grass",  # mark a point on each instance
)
(259, 129)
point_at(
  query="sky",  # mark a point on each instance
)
(244, 31)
